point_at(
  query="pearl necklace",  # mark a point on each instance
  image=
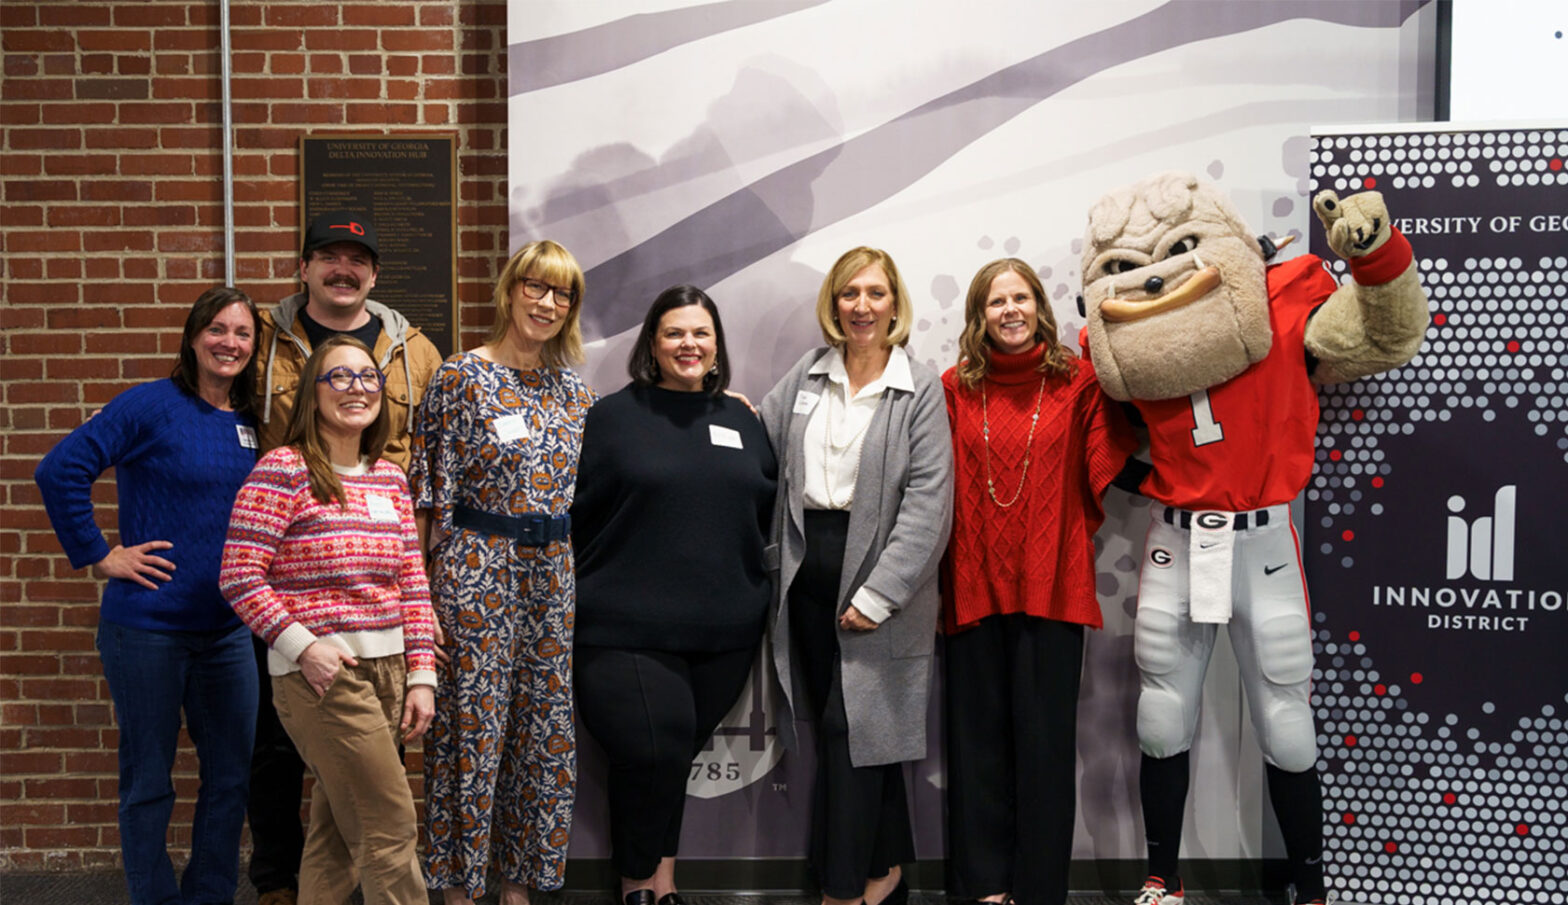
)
(829, 448)
(985, 434)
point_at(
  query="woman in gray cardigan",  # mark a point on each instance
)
(862, 517)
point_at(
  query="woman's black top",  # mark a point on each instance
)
(670, 520)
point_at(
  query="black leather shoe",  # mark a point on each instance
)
(672, 898)
(640, 897)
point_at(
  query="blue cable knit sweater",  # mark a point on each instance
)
(179, 463)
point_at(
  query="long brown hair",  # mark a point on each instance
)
(187, 375)
(304, 433)
(974, 344)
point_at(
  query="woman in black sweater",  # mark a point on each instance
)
(674, 499)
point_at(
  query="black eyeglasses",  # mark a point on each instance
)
(536, 290)
(341, 379)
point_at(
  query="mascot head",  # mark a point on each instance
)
(1174, 289)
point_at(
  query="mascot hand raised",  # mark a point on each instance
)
(1376, 323)
(1221, 354)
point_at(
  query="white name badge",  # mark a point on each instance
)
(724, 436)
(381, 508)
(511, 428)
(247, 436)
(805, 402)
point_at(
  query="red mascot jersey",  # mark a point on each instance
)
(1247, 443)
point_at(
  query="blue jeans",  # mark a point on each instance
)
(152, 677)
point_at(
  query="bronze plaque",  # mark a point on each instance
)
(407, 185)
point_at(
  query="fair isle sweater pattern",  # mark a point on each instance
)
(299, 571)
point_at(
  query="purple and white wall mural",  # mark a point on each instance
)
(742, 146)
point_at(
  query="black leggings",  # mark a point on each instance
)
(859, 818)
(652, 712)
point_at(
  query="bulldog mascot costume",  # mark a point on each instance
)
(1221, 354)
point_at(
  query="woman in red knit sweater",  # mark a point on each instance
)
(323, 562)
(1034, 445)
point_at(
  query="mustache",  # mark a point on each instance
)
(347, 280)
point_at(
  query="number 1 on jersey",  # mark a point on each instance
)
(1206, 429)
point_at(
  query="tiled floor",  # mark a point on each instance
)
(106, 888)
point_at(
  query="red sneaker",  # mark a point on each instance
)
(1154, 892)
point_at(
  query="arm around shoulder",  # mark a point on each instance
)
(779, 404)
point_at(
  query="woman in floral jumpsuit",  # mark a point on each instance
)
(495, 461)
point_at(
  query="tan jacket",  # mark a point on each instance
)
(406, 356)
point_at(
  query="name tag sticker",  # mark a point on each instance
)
(247, 436)
(724, 436)
(381, 508)
(511, 428)
(805, 402)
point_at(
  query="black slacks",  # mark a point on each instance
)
(276, 771)
(860, 825)
(1012, 718)
(652, 712)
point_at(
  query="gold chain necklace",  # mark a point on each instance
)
(830, 447)
(985, 435)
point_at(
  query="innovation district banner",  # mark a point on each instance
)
(1434, 533)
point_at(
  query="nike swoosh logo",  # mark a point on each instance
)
(1208, 546)
(1270, 570)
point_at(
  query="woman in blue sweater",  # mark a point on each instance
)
(180, 448)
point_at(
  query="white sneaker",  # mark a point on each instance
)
(1155, 893)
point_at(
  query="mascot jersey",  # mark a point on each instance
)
(1248, 442)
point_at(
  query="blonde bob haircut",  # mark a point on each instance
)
(974, 343)
(844, 269)
(547, 262)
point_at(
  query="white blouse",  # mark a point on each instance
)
(835, 432)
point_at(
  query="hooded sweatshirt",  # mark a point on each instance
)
(408, 359)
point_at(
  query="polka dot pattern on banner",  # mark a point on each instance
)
(1351, 163)
(1407, 793)
(1498, 341)
(1426, 801)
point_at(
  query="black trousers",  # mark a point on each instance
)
(652, 712)
(276, 834)
(860, 817)
(1012, 717)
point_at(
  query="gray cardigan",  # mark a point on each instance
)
(898, 527)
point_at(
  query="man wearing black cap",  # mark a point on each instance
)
(338, 264)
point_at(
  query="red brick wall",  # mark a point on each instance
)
(112, 219)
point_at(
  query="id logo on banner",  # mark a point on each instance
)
(1483, 547)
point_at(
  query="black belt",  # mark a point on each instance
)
(1181, 518)
(535, 529)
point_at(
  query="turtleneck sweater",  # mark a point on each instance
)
(1036, 555)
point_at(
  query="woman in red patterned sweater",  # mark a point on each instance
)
(1034, 445)
(323, 562)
